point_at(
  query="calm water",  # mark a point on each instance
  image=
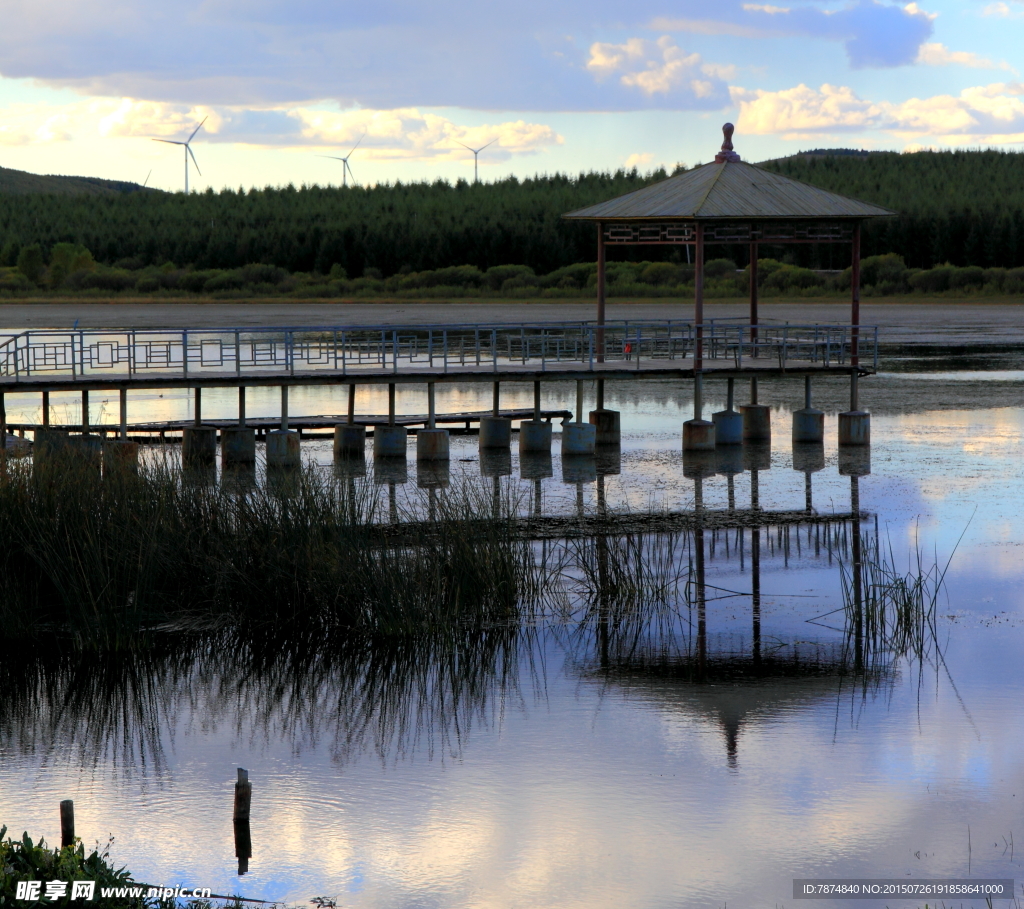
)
(553, 768)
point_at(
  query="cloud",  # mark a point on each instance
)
(1001, 10)
(940, 55)
(404, 133)
(660, 68)
(989, 113)
(394, 54)
(639, 160)
(874, 34)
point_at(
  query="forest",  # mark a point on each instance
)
(964, 209)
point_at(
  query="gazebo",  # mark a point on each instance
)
(730, 202)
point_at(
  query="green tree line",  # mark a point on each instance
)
(964, 208)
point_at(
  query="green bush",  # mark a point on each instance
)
(971, 276)
(25, 860)
(30, 262)
(932, 280)
(720, 268)
(497, 275)
(65, 260)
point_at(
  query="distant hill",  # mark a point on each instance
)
(21, 183)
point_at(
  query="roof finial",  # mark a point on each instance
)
(727, 154)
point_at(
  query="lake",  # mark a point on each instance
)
(670, 759)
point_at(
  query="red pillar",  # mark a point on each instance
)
(600, 292)
(698, 297)
(855, 298)
(753, 290)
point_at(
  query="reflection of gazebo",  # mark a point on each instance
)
(728, 202)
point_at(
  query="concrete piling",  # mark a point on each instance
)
(855, 428)
(698, 433)
(283, 448)
(198, 445)
(854, 424)
(389, 440)
(579, 438)
(757, 418)
(495, 430)
(350, 439)
(237, 445)
(808, 422)
(432, 443)
(608, 422)
(728, 422)
(534, 436)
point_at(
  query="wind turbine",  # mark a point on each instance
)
(188, 150)
(345, 168)
(476, 157)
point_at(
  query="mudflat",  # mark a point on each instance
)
(901, 320)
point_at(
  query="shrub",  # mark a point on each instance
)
(112, 279)
(889, 269)
(338, 272)
(933, 280)
(262, 274)
(720, 268)
(969, 276)
(30, 262)
(225, 280)
(497, 275)
(373, 273)
(660, 274)
(65, 260)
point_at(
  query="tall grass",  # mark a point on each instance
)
(105, 557)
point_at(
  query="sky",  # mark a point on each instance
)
(281, 86)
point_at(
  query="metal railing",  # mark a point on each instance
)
(181, 354)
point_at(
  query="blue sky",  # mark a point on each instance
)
(568, 86)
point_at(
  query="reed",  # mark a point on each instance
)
(105, 558)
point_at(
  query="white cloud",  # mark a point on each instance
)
(659, 68)
(639, 159)
(403, 133)
(912, 9)
(766, 8)
(989, 113)
(1002, 11)
(939, 55)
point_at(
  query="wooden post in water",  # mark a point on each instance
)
(124, 414)
(352, 405)
(46, 408)
(243, 795)
(85, 413)
(67, 823)
(243, 833)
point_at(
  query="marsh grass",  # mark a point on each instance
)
(103, 558)
(891, 611)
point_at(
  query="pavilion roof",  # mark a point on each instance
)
(729, 191)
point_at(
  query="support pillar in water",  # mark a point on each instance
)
(607, 421)
(757, 418)
(389, 440)
(698, 433)
(579, 438)
(728, 422)
(854, 424)
(495, 430)
(808, 422)
(350, 439)
(432, 443)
